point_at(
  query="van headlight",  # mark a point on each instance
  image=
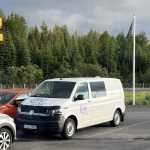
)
(57, 111)
(19, 109)
(54, 112)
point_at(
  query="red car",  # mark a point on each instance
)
(8, 102)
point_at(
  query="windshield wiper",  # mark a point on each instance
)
(40, 95)
(36, 95)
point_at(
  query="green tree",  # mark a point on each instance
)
(107, 55)
(92, 70)
(7, 52)
(34, 45)
(18, 29)
(91, 47)
(46, 50)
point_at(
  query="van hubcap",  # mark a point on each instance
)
(117, 118)
(70, 129)
(4, 140)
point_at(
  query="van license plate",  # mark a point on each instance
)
(34, 127)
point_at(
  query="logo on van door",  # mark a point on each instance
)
(83, 109)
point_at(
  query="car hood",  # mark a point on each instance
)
(4, 116)
(22, 96)
(39, 101)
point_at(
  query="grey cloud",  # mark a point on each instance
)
(82, 15)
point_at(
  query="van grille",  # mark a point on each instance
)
(37, 118)
(38, 109)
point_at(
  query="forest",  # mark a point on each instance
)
(29, 55)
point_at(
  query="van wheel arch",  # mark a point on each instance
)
(75, 120)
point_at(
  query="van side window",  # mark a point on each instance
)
(98, 89)
(82, 90)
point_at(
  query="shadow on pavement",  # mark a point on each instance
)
(46, 136)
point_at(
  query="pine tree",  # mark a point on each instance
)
(18, 29)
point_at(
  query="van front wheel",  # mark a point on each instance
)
(116, 119)
(69, 129)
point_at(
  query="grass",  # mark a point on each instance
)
(141, 97)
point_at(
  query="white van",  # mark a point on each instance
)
(66, 104)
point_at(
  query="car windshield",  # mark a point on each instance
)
(6, 97)
(54, 89)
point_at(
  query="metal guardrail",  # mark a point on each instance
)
(6, 86)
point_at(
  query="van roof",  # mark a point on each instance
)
(79, 79)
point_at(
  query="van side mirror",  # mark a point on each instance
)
(79, 97)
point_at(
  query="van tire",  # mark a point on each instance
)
(116, 119)
(69, 129)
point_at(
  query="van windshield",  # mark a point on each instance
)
(54, 89)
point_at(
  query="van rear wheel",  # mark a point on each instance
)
(116, 119)
(69, 129)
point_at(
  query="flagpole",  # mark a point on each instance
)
(134, 28)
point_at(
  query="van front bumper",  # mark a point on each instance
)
(52, 124)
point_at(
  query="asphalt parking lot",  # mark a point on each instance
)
(133, 134)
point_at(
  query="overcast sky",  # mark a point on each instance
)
(82, 15)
